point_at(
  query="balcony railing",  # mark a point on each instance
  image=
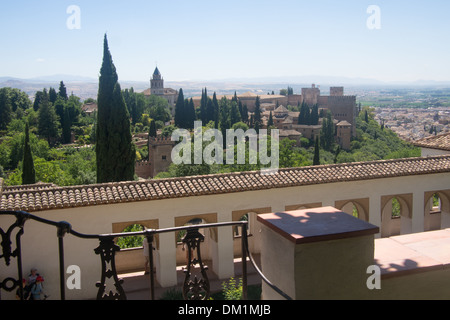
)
(194, 288)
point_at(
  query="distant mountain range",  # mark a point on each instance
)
(86, 87)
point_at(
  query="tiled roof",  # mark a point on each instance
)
(440, 142)
(34, 199)
(344, 123)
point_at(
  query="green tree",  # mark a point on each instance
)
(63, 91)
(245, 114)
(257, 121)
(19, 100)
(216, 111)
(210, 112)
(152, 131)
(49, 124)
(28, 171)
(316, 160)
(290, 91)
(270, 121)
(5, 109)
(168, 130)
(190, 114)
(314, 116)
(304, 117)
(286, 153)
(52, 95)
(203, 106)
(115, 152)
(120, 140)
(327, 132)
(224, 122)
(235, 115)
(60, 107)
(157, 107)
(66, 125)
(180, 116)
(38, 98)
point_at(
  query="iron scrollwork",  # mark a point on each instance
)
(193, 287)
(6, 243)
(107, 250)
(9, 284)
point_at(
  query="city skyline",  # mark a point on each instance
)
(199, 40)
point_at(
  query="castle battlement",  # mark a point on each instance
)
(341, 97)
(159, 141)
(143, 163)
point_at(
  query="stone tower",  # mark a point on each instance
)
(157, 83)
(160, 154)
(344, 134)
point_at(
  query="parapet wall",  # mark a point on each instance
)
(341, 101)
(143, 169)
(160, 141)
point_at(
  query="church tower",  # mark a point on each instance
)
(157, 83)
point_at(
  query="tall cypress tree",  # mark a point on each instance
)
(304, 117)
(235, 115)
(66, 125)
(123, 150)
(216, 111)
(28, 171)
(52, 95)
(180, 111)
(152, 133)
(257, 118)
(204, 106)
(316, 160)
(314, 116)
(270, 121)
(190, 114)
(115, 152)
(63, 91)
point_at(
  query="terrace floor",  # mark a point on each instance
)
(137, 285)
(412, 253)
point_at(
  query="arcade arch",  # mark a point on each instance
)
(437, 210)
(359, 208)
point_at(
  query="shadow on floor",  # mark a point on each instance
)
(137, 285)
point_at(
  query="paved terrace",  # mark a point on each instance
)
(48, 196)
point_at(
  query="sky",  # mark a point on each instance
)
(214, 40)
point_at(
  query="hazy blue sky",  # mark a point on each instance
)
(210, 40)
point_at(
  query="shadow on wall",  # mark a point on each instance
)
(392, 268)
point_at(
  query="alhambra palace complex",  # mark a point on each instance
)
(343, 109)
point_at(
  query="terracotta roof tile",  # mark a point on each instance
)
(440, 142)
(46, 196)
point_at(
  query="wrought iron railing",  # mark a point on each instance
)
(194, 288)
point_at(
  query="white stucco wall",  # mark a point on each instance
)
(40, 241)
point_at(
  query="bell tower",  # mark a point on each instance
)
(157, 83)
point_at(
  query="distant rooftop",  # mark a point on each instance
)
(440, 142)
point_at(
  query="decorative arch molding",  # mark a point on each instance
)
(206, 217)
(362, 205)
(444, 196)
(118, 227)
(405, 201)
(437, 220)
